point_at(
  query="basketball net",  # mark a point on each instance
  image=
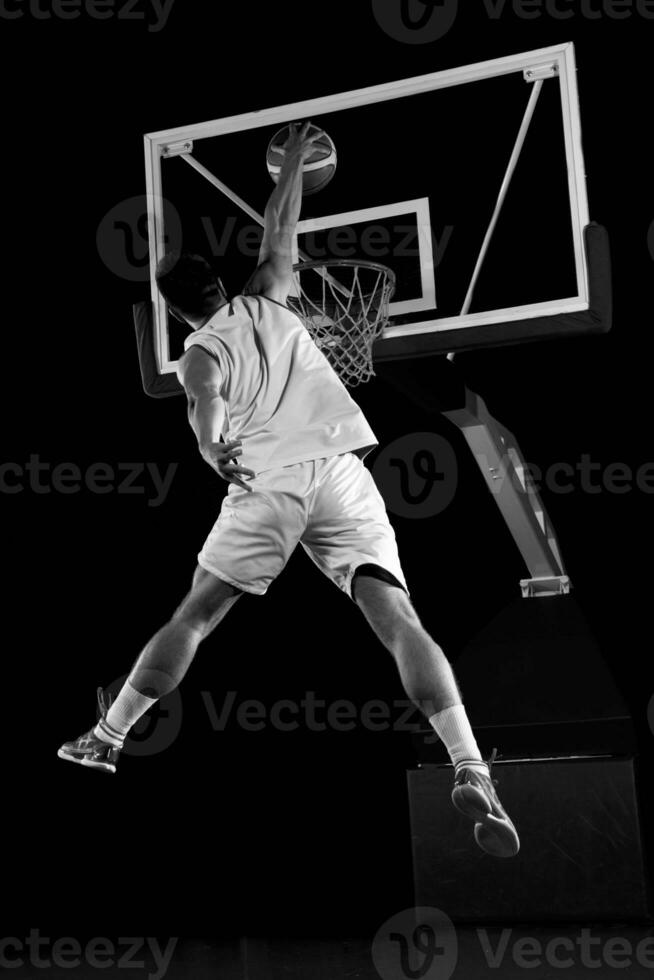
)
(344, 305)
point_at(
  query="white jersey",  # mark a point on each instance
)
(282, 397)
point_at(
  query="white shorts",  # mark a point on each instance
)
(331, 506)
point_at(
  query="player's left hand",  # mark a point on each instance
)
(221, 457)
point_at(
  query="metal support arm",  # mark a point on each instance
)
(502, 465)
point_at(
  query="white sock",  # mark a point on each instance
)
(453, 729)
(126, 710)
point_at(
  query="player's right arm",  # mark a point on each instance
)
(274, 275)
(202, 379)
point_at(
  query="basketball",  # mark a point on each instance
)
(318, 169)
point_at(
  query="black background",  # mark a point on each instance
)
(230, 832)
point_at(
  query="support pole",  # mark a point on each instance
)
(502, 465)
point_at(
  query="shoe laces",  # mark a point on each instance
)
(104, 702)
(490, 763)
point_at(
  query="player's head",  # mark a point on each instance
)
(189, 285)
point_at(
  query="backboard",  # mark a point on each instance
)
(469, 183)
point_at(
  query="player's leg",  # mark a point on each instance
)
(249, 545)
(164, 661)
(157, 671)
(425, 671)
(430, 683)
(352, 541)
(349, 534)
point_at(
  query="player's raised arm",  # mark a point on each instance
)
(274, 273)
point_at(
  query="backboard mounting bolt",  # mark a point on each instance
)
(550, 70)
(176, 149)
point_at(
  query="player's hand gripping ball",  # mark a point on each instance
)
(314, 147)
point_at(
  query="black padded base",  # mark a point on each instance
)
(596, 319)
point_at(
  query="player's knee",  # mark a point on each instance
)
(207, 602)
(387, 608)
(380, 592)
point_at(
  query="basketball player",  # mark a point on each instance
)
(293, 458)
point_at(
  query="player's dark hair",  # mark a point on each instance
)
(188, 283)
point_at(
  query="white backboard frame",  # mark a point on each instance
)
(561, 57)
